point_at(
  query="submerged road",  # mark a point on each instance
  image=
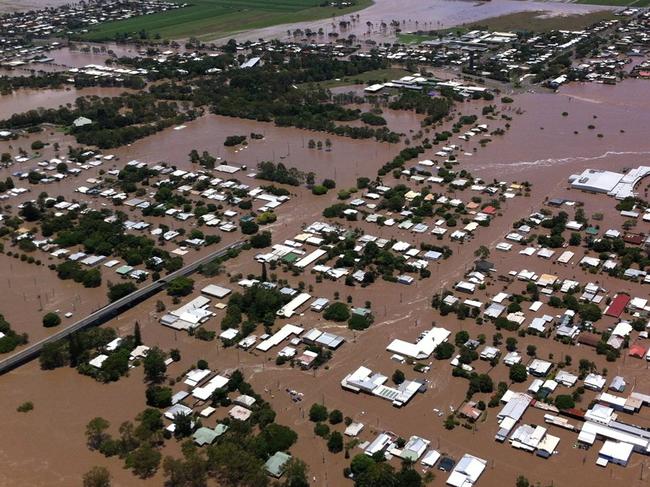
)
(110, 310)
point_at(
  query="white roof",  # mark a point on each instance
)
(216, 291)
(285, 332)
(205, 392)
(467, 471)
(422, 349)
(98, 361)
(195, 376)
(430, 458)
(616, 450)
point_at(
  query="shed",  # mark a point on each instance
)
(276, 464)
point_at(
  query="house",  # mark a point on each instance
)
(353, 429)
(565, 378)
(467, 471)
(539, 368)
(414, 448)
(379, 444)
(512, 358)
(638, 350)
(470, 411)
(240, 413)
(277, 463)
(430, 458)
(215, 291)
(595, 382)
(307, 359)
(617, 384)
(81, 122)
(617, 452)
(617, 306)
(490, 353)
(204, 436)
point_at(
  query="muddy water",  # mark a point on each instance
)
(542, 141)
(68, 401)
(9, 6)
(28, 99)
(415, 14)
(347, 160)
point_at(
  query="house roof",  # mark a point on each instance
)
(275, 465)
(617, 305)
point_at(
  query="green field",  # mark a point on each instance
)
(213, 19)
(363, 78)
(521, 21)
(613, 3)
(531, 21)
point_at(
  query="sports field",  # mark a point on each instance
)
(212, 19)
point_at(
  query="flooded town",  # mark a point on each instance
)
(311, 243)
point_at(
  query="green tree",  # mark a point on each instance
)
(97, 477)
(295, 474)
(154, 365)
(144, 461)
(335, 416)
(118, 291)
(96, 432)
(180, 286)
(398, 377)
(337, 312)
(522, 482)
(335, 442)
(261, 240)
(183, 424)
(278, 438)
(518, 373)
(248, 227)
(51, 320)
(444, 351)
(377, 475)
(137, 335)
(317, 412)
(159, 396)
(564, 401)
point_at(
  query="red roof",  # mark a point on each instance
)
(633, 238)
(617, 305)
(489, 210)
(638, 350)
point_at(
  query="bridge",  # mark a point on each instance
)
(111, 310)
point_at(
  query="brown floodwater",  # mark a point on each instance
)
(8, 6)
(28, 99)
(413, 15)
(65, 402)
(542, 141)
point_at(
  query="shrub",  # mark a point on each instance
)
(50, 320)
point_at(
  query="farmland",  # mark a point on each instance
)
(212, 19)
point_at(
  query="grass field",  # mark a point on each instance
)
(531, 21)
(520, 21)
(613, 3)
(212, 19)
(374, 75)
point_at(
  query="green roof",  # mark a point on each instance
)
(275, 465)
(204, 436)
(125, 269)
(290, 258)
(361, 311)
(220, 429)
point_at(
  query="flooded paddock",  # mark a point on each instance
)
(414, 15)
